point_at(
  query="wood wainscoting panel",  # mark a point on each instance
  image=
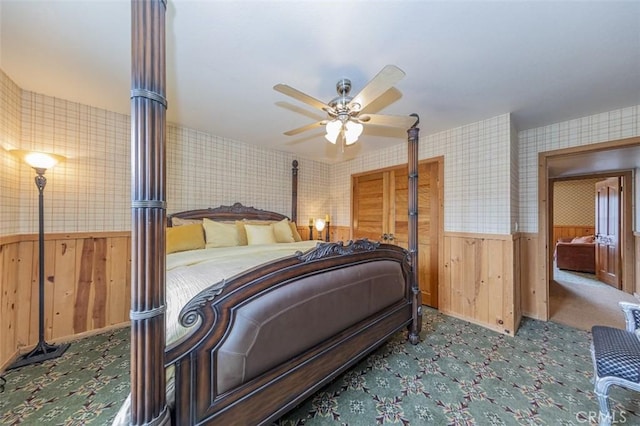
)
(532, 281)
(340, 233)
(572, 231)
(87, 287)
(480, 281)
(8, 301)
(336, 233)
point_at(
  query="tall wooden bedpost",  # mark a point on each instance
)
(148, 213)
(416, 325)
(294, 191)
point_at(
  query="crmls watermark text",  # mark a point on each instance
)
(592, 417)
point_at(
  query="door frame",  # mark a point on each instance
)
(544, 256)
(625, 244)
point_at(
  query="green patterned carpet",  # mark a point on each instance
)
(460, 374)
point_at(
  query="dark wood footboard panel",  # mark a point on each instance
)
(266, 397)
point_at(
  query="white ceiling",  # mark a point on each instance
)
(543, 61)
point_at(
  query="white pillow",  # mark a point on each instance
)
(260, 234)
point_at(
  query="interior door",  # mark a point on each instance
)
(427, 225)
(380, 206)
(370, 206)
(608, 221)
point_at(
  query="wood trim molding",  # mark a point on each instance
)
(545, 211)
(502, 237)
(8, 239)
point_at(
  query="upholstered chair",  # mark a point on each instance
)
(616, 358)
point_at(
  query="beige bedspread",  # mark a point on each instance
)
(190, 272)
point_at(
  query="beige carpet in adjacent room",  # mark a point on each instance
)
(579, 300)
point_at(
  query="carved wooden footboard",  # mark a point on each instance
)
(317, 313)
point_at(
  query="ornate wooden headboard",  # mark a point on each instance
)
(227, 213)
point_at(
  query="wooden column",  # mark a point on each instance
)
(294, 191)
(416, 326)
(148, 215)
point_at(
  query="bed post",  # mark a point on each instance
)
(148, 213)
(294, 191)
(416, 325)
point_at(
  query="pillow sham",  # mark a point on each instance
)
(260, 234)
(282, 231)
(294, 231)
(220, 234)
(185, 237)
(242, 234)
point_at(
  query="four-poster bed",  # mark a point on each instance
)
(369, 289)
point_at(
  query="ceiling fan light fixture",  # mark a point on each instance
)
(331, 138)
(344, 121)
(333, 130)
(353, 130)
(334, 127)
(350, 139)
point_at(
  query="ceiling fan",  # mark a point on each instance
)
(345, 113)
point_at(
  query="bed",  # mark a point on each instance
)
(280, 307)
(248, 335)
(262, 342)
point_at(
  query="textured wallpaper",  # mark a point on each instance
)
(490, 175)
(574, 202)
(10, 108)
(608, 126)
(477, 174)
(91, 190)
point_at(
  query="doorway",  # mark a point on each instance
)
(612, 158)
(589, 230)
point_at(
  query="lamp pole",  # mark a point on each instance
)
(43, 350)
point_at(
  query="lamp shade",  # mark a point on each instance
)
(38, 160)
(333, 130)
(352, 132)
(320, 224)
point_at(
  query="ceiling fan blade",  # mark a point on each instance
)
(382, 82)
(303, 97)
(305, 128)
(401, 121)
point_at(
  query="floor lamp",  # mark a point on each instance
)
(43, 350)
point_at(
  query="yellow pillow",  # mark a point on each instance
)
(282, 231)
(185, 237)
(260, 234)
(220, 234)
(294, 231)
(242, 234)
